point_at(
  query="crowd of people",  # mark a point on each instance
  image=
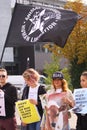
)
(52, 106)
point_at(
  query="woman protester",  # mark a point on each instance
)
(32, 91)
(53, 110)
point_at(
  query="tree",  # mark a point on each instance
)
(75, 49)
(54, 66)
(50, 68)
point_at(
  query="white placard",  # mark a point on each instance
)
(2, 104)
(80, 96)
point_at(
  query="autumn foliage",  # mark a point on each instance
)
(75, 49)
(76, 46)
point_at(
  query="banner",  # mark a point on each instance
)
(56, 111)
(80, 96)
(2, 104)
(33, 24)
(27, 111)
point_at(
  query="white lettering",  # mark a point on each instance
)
(50, 27)
(31, 11)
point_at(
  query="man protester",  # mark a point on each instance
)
(8, 97)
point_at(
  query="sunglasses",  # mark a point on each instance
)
(2, 76)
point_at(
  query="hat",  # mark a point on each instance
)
(58, 75)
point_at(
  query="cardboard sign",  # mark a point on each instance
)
(27, 111)
(56, 114)
(80, 96)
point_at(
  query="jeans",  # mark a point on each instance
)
(32, 126)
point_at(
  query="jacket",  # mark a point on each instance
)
(41, 90)
(10, 96)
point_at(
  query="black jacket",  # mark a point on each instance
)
(10, 94)
(41, 90)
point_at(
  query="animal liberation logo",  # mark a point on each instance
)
(37, 22)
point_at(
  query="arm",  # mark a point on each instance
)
(68, 99)
(11, 94)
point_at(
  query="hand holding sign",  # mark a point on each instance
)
(33, 101)
(27, 111)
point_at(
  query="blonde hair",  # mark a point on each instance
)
(28, 73)
(64, 85)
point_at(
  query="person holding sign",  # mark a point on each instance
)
(32, 91)
(81, 117)
(59, 100)
(8, 97)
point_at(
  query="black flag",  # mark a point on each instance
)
(32, 24)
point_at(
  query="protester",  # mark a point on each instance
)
(54, 111)
(32, 91)
(7, 119)
(82, 118)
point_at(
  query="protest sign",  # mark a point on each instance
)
(56, 114)
(80, 96)
(2, 104)
(27, 111)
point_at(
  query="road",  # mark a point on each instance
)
(72, 121)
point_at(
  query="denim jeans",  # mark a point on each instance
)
(32, 126)
(35, 126)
